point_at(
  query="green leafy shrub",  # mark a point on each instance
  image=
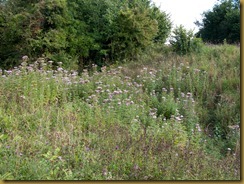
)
(134, 31)
(184, 42)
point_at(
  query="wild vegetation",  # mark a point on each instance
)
(89, 91)
(221, 23)
(164, 117)
(79, 32)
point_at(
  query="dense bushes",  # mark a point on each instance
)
(79, 32)
(184, 42)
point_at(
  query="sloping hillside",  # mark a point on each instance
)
(164, 117)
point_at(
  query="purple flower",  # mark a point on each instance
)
(25, 58)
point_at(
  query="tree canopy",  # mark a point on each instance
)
(221, 23)
(79, 31)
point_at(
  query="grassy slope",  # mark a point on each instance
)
(164, 117)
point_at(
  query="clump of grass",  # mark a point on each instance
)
(158, 121)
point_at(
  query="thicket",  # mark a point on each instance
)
(79, 32)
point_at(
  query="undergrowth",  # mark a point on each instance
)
(165, 117)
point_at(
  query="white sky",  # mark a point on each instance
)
(185, 12)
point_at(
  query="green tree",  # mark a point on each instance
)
(134, 30)
(223, 22)
(13, 33)
(79, 31)
(184, 42)
(32, 28)
(164, 24)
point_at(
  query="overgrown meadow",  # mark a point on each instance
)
(164, 117)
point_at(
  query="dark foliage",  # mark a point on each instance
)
(79, 32)
(221, 23)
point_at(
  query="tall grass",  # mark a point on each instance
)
(165, 117)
